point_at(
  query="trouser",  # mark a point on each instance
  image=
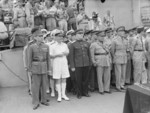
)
(71, 82)
(63, 25)
(113, 77)
(148, 70)
(39, 87)
(93, 78)
(128, 72)
(120, 71)
(82, 77)
(72, 24)
(140, 75)
(29, 75)
(103, 77)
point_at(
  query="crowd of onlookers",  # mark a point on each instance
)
(50, 14)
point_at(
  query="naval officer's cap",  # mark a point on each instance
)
(101, 33)
(121, 28)
(79, 31)
(70, 32)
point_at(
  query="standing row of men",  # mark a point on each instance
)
(102, 51)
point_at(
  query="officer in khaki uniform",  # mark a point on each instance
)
(119, 54)
(147, 47)
(39, 67)
(101, 59)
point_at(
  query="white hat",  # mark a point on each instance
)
(44, 30)
(148, 31)
(55, 31)
(70, 31)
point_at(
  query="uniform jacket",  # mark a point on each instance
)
(79, 54)
(39, 58)
(119, 50)
(100, 60)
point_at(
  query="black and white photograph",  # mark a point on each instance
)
(74, 56)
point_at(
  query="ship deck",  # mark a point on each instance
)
(17, 100)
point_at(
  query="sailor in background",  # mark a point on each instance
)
(38, 66)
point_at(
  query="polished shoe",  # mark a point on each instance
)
(122, 87)
(47, 100)
(29, 91)
(109, 92)
(52, 94)
(59, 99)
(65, 98)
(79, 96)
(45, 103)
(119, 90)
(35, 107)
(102, 93)
(86, 95)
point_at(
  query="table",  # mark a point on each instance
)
(137, 99)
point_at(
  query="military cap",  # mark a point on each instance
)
(35, 29)
(126, 31)
(69, 32)
(108, 30)
(101, 33)
(60, 34)
(48, 33)
(121, 28)
(54, 32)
(87, 32)
(79, 31)
(94, 32)
(140, 29)
(44, 31)
(148, 31)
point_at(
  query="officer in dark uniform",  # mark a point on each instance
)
(80, 62)
(38, 66)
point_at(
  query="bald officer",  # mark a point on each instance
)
(101, 59)
(119, 54)
(38, 66)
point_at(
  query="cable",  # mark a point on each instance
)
(14, 72)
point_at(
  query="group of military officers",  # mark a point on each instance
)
(120, 51)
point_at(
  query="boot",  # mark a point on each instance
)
(63, 86)
(52, 85)
(59, 92)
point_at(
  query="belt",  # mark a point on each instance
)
(101, 53)
(138, 50)
(39, 60)
(21, 16)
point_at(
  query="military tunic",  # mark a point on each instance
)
(38, 66)
(139, 59)
(100, 58)
(80, 60)
(119, 53)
